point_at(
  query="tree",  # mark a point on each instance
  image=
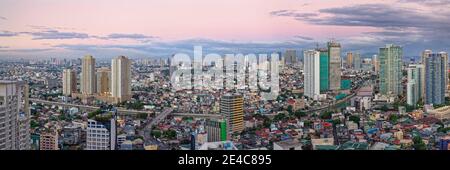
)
(354, 118)
(299, 114)
(171, 134)
(393, 118)
(279, 117)
(156, 133)
(326, 115)
(418, 143)
(384, 108)
(336, 121)
(289, 109)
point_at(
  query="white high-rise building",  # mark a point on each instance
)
(101, 135)
(69, 82)
(121, 79)
(14, 116)
(88, 78)
(312, 73)
(415, 86)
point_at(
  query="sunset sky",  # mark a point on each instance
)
(159, 28)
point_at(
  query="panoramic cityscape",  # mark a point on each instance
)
(295, 75)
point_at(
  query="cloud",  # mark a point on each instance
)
(164, 49)
(3, 18)
(414, 28)
(28, 50)
(55, 34)
(432, 3)
(8, 34)
(304, 37)
(129, 36)
(4, 47)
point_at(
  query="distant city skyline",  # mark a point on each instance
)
(106, 29)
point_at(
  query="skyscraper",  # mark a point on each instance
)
(312, 73)
(49, 141)
(217, 130)
(376, 64)
(435, 77)
(69, 82)
(350, 60)
(14, 116)
(290, 57)
(103, 81)
(324, 69)
(415, 87)
(390, 58)
(357, 62)
(101, 134)
(334, 52)
(121, 79)
(88, 83)
(232, 106)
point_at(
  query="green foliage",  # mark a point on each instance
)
(354, 118)
(289, 109)
(336, 121)
(326, 115)
(94, 113)
(307, 123)
(142, 115)
(34, 124)
(393, 118)
(279, 117)
(385, 108)
(418, 143)
(135, 105)
(156, 133)
(171, 134)
(299, 114)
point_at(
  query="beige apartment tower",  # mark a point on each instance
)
(121, 79)
(48, 141)
(14, 116)
(69, 82)
(334, 52)
(232, 107)
(103, 81)
(88, 78)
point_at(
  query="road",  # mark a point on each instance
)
(148, 139)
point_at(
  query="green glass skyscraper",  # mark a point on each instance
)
(390, 70)
(324, 69)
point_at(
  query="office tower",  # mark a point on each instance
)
(390, 58)
(324, 69)
(88, 83)
(121, 79)
(290, 57)
(376, 64)
(350, 60)
(14, 116)
(48, 141)
(103, 81)
(435, 77)
(232, 106)
(101, 134)
(334, 52)
(69, 82)
(217, 130)
(357, 62)
(312, 73)
(415, 85)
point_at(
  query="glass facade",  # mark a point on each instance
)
(324, 70)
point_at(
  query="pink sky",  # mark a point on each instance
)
(172, 20)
